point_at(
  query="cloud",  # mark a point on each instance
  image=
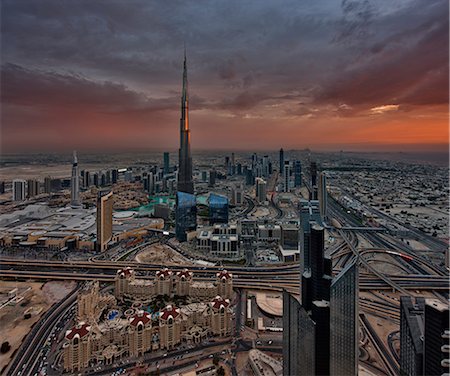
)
(384, 108)
(316, 61)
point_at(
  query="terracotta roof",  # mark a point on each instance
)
(219, 302)
(169, 311)
(164, 273)
(184, 273)
(126, 272)
(224, 274)
(141, 316)
(79, 330)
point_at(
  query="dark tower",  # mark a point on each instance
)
(281, 161)
(185, 183)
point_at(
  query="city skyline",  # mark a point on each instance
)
(329, 76)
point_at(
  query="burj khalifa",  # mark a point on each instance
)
(185, 183)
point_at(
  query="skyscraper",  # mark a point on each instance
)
(298, 340)
(185, 215)
(260, 190)
(166, 163)
(297, 173)
(313, 172)
(218, 209)
(185, 183)
(322, 195)
(47, 184)
(212, 178)
(281, 160)
(104, 219)
(237, 195)
(286, 176)
(75, 183)
(436, 338)
(18, 187)
(32, 188)
(344, 351)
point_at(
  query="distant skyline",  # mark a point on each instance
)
(325, 75)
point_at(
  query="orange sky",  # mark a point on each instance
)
(373, 76)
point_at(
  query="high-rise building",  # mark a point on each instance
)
(316, 278)
(313, 172)
(86, 179)
(249, 176)
(309, 212)
(114, 176)
(185, 214)
(105, 201)
(260, 190)
(298, 340)
(424, 337)
(218, 209)
(166, 163)
(212, 178)
(281, 161)
(344, 336)
(95, 179)
(286, 176)
(411, 335)
(266, 166)
(297, 174)
(237, 194)
(18, 188)
(75, 183)
(436, 338)
(47, 184)
(314, 313)
(322, 195)
(32, 188)
(185, 182)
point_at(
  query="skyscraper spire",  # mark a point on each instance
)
(185, 183)
(75, 183)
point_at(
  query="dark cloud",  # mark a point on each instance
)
(308, 58)
(410, 67)
(25, 87)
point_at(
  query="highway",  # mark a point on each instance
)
(25, 359)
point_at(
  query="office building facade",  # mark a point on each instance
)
(344, 335)
(218, 209)
(105, 202)
(185, 214)
(18, 188)
(322, 195)
(75, 183)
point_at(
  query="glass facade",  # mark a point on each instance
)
(218, 209)
(297, 173)
(185, 214)
(344, 340)
(298, 338)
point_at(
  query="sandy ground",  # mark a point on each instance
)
(14, 327)
(261, 211)
(270, 302)
(161, 254)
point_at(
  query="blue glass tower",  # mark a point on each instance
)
(185, 214)
(218, 209)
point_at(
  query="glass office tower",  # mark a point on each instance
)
(185, 214)
(218, 209)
